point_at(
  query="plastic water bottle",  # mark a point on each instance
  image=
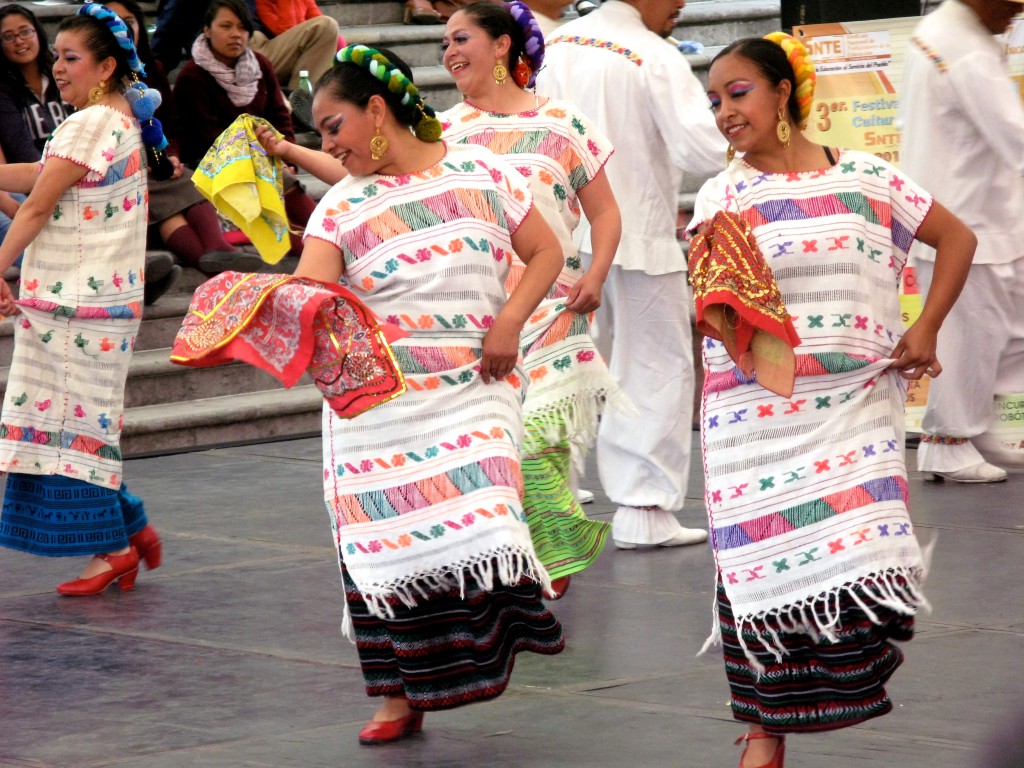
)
(302, 101)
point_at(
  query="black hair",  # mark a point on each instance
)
(497, 20)
(100, 42)
(348, 81)
(237, 7)
(10, 73)
(772, 62)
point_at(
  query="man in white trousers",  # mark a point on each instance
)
(615, 65)
(963, 141)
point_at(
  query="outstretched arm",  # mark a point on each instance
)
(312, 161)
(18, 177)
(954, 247)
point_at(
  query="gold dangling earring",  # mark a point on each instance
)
(783, 131)
(730, 153)
(500, 73)
(97, 92)
(378, 146)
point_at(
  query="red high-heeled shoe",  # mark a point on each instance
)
(780, 750)
(149, 546)
(123, 569)
(559, 587)
(383, 731)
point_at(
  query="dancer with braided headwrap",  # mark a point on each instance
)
(818, 567)
(442, 584)
(563, 156)
(83, 229)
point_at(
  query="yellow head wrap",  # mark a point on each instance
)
(800, 59)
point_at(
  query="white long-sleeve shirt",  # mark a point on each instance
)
(963, 130)
(641, 93)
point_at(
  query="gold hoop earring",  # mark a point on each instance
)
(730, 153)
(783, 131)
(378, 146)
(500, 73)
(97, 92)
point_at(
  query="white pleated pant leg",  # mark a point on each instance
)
(981, 350)
(643, 459)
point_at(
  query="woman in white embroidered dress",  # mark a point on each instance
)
(83, 228)
(493, 52)
(442, 584)
(818, 566)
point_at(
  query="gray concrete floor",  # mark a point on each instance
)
(230, 654)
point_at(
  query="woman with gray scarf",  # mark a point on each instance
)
(225, 79)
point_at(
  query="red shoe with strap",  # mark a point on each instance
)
(780, 750)
(123, 569)
(148, 544)
(382, 731)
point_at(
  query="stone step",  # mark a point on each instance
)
(154, 380)
(219, 421)
(362, 13)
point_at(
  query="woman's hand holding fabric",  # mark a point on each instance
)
(501, 351)
(915, 355)
(275, 145)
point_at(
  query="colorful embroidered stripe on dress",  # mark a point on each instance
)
(816, 511)
(593, 42)
(874, 211)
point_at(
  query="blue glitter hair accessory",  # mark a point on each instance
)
(121, 33)
(143, 101)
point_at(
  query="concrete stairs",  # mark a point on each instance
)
(170, 408)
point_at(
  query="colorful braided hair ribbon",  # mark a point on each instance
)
(120, 32)
(803, 68)
(428, 127)
(533, 46)
(143, 101)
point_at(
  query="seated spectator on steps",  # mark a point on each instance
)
(180, 217)
(30, 104)
(293, 34)
(227, 78)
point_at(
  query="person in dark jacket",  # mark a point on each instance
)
(227, 78)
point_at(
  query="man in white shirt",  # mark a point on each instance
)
(615, 65)
(963, 141)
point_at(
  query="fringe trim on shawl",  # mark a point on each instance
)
(803, 617)
(575, 418)
(509, 565)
